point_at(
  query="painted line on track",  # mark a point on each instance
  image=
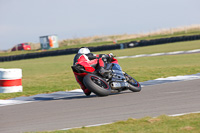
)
(95, 125)
(12, 102)
(197, 112)
(160, 54)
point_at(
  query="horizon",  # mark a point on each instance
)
(136, 35)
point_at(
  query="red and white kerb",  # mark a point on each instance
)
(10, 80)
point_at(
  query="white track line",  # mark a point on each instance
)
(185, 113)
(12, 102)
(95, 125)
(173, 115)
(159, 54)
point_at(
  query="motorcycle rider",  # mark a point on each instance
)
(93, 60)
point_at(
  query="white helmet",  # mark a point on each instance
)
(84, 51)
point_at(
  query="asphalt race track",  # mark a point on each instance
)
(171, 98)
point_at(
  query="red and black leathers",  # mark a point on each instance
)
(90, 63)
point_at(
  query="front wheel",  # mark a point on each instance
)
(97, 85)
(133, 84)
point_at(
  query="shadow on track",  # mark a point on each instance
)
(76, 97)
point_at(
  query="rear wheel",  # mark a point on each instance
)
(133, 84)
(97, 85)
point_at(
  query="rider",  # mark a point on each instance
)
(96, 61)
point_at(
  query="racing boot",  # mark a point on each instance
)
(87, 92)
(105, 73)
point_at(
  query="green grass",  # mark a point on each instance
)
(169, 47)
(51, 74)
(162, 124)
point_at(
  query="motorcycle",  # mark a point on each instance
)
(116, 82)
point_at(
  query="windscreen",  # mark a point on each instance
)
(116, 67)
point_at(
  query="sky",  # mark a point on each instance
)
(26, 20)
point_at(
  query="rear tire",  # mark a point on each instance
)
(97, 85)
(133, 84)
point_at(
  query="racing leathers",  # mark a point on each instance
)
(96, 62)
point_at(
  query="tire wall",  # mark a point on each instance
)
(100, 48)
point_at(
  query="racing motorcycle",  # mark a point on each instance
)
(117, 80)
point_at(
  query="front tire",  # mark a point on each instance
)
(133, 84)
(97, 85)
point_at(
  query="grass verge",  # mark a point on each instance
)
(162, 124)
(51, 74)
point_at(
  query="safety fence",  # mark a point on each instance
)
(100, 48)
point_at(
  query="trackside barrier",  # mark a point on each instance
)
(101, 48)
(10, 80)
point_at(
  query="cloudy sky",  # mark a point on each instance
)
(26, 20)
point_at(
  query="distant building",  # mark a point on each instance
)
(49, 41)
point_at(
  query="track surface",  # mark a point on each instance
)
(155, 100)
